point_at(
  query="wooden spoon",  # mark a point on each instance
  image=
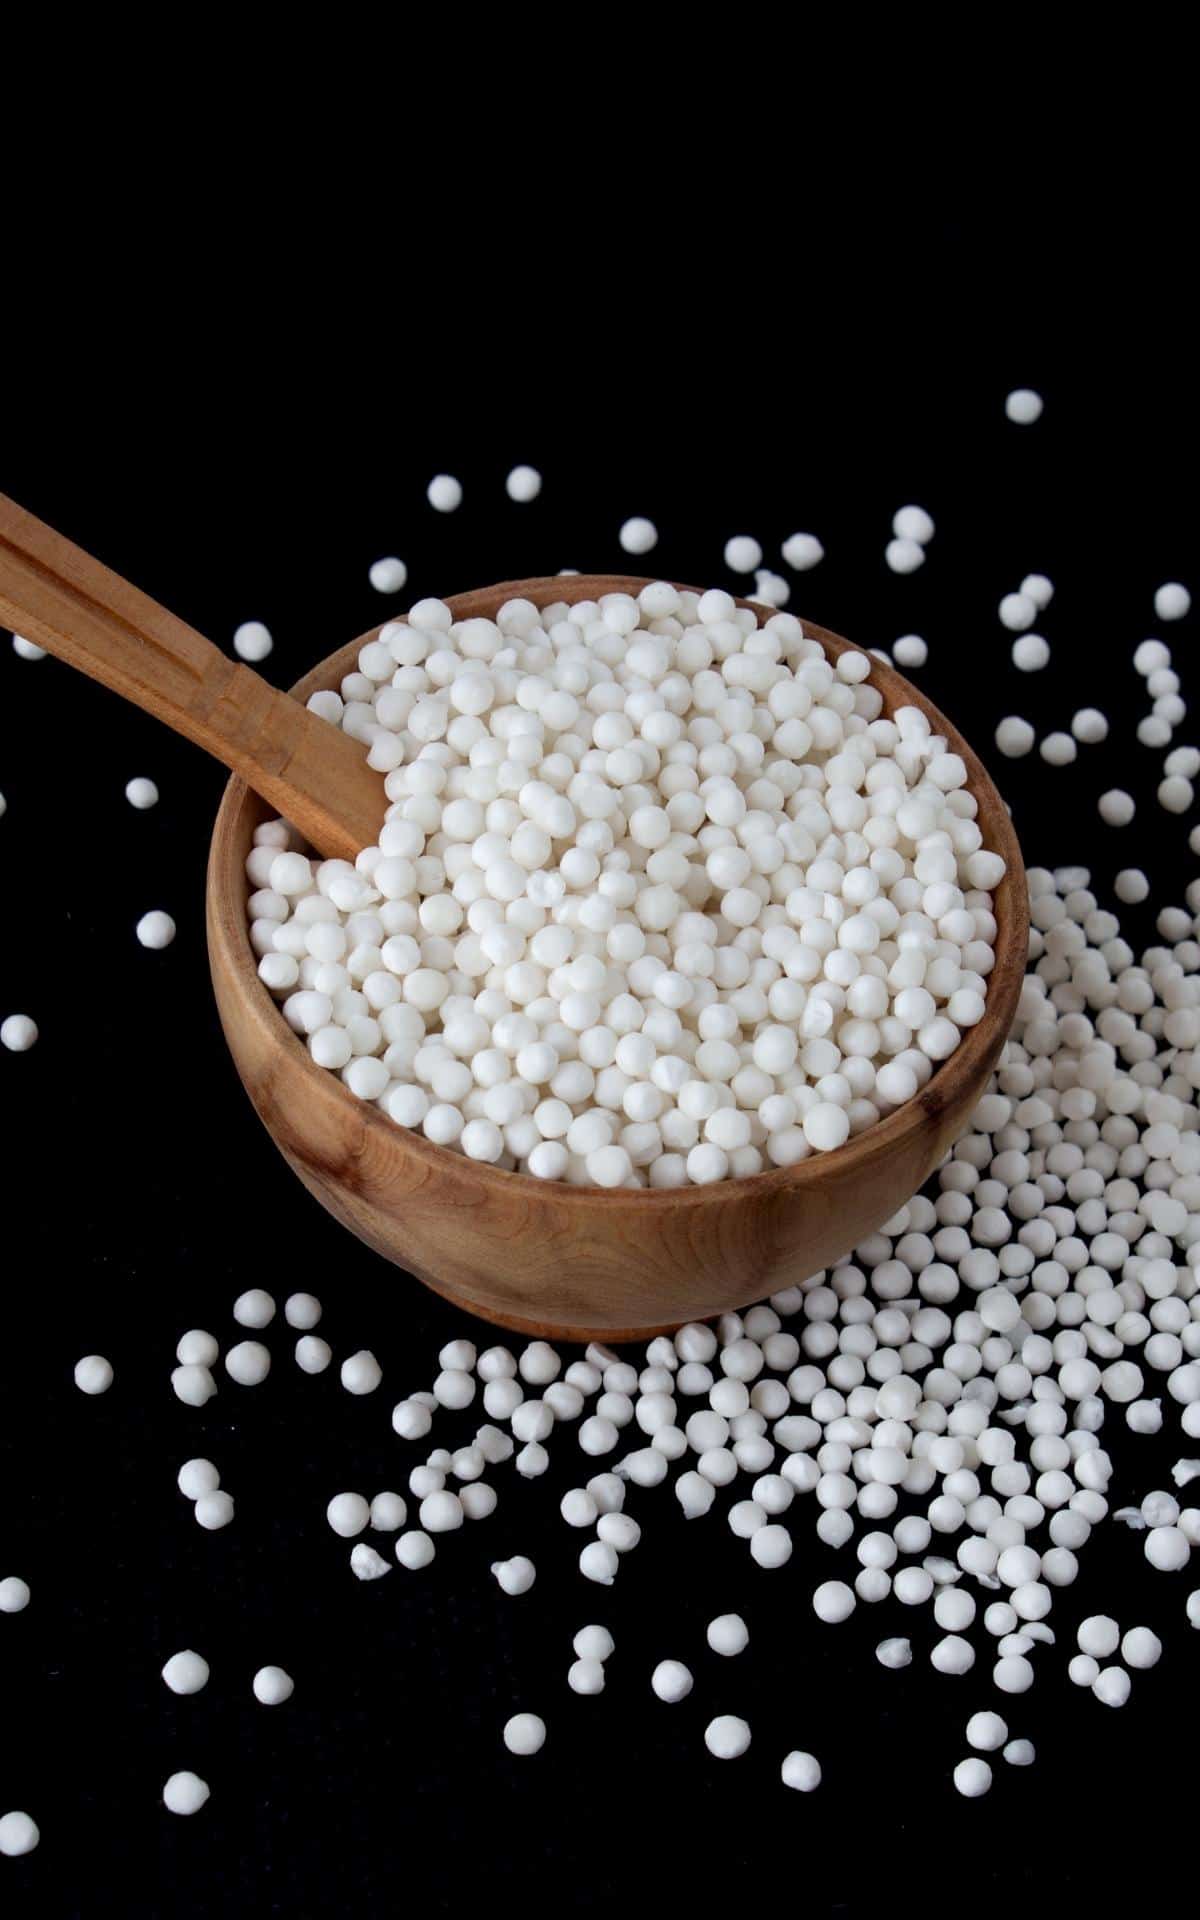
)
(59, 597)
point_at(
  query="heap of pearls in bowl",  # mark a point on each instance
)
(660, 897)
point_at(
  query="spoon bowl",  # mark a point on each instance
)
(581, 1263)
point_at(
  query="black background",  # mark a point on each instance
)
(141, 1195)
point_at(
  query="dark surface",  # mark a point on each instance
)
(142, 1196)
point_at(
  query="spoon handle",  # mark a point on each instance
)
(311, 772)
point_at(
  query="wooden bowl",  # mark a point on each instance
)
(581, 1262)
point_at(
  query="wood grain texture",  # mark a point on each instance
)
(63, 600)
(578, 1262)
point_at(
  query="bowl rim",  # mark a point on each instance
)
(228, 932)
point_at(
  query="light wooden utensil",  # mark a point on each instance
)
(60, 598)
(578, 1262)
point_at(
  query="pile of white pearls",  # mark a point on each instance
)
(660, 898)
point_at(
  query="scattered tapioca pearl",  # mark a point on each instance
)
(1015, 737)
(93, 1374)
(894, 1654)
(441, 1512)
(986, 1732)
(586, 1677)
(1160, 1509)
(366, 1563)
(186, 1672)
(1058, 749)
(1017, 611)
(14, 1595)
(1172, 601)
(141, 793)
(412, 1419)
(1167, 1549)
(214, 1511)
(252, 641)
(3, 806)
(1151, 656)
(194, 1385)
(727, 1737)
(801, 551)
(444, 493)
(728, 1634)
(389, 1511)
(1141, 1649)
(1012, 1673)
(771, 1546)
(671, 1681)
(185, 1793)
(638, 535)
(18, 1834)
(771, 588)
(593, 1643)
(478, 1501)
(1112, 1686)
(414, 1550)
(1036, 587)
(904, 556)
(539, 1364)
(1131, 886)
(1142, 1416)
(1116, 807)
(348, 1514)
(361, 1373)
(302, 1310)
(388, 575)
(272, 1686)
(913, 523)
(1175, 794)
(1193, 1608)
(953, 1656)
(972, 1778)
(910, 651)
(801, 1771)
(1090, 726)
(313, 1354)
(155, 930)
(196, 1478)
(1023, 406)
(26, 649)
(599, 1562)
(254, 1309)
(742, 554)
(525, 1734)
(513, 1575)
(248, 1363)
(833, 1602)
(18, 1033)
(1030, 653)
(523, 484)
(196, 1348)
